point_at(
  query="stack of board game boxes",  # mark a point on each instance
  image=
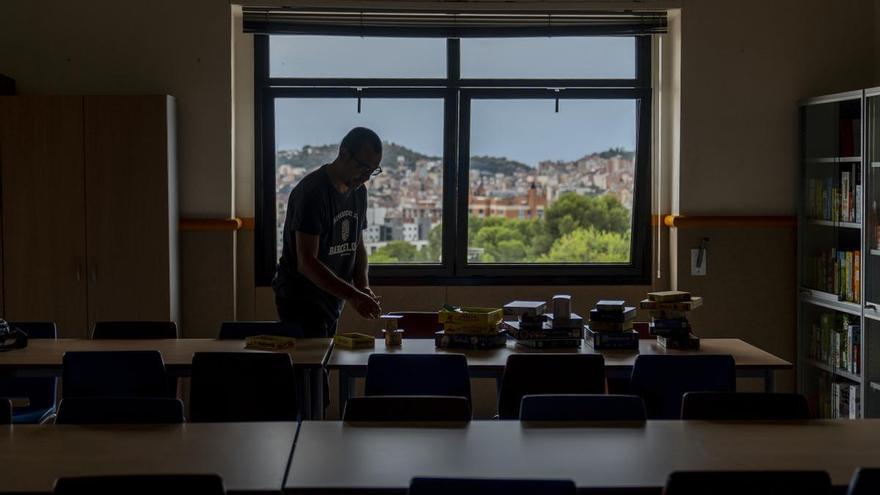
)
(470, 328)
(611, 326)
(669, 318)
(539, 330)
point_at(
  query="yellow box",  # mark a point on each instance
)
(354, 340)
(269, 342)
(470, 328)
(471, 315)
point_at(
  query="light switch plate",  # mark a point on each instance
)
(701, 270)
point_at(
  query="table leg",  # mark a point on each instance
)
(305, 379)
(344, 392)
(769, 381)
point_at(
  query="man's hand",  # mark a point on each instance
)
(365, 304)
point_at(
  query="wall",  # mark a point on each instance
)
(157, 47)
(744, 68)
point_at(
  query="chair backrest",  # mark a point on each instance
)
(418, 324)
(135, 330)
(418, 374)
(113, 374)
(744, 406)
(5, 411)
(119, 410)
(245, 329)
(661, 380)
(40, 392)
(532, 374)
(484, 486)
(243, 386)
(756, 482)
(582, 407)
(865, 481)
(407, 408)
(141, 484)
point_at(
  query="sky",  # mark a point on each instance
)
(525, 130)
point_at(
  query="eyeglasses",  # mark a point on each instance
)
(366, 166)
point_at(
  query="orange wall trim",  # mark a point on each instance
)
(210, 224)
(677, 221)
(746, 222)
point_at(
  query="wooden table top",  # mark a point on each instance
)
(249, 456)
(333, 456)
(177, 353)
(746, 355)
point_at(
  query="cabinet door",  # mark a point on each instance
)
(41, 152)
(128, 220)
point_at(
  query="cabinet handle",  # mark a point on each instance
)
(78, 263)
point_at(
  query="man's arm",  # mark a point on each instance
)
(361, 266)
(312, 268)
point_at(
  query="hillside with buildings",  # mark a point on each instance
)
(405, 201)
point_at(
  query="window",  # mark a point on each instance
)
(505, 160)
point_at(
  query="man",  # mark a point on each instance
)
(323, 257)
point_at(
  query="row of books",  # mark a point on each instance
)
(836, 341)
(836, 200)
(838, 399)
(837, 272)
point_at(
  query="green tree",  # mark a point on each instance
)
(434, 249)
(572, 211)
(590, 246)
(396, 251)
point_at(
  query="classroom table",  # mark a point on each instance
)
(43, 357)
(750, 360)
(251, 457)
(336, 457)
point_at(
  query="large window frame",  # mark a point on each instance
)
(457, 94)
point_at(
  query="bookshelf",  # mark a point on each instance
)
(836, 216)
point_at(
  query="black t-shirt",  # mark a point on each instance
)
(315, 207)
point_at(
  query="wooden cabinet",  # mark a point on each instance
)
(89, 214)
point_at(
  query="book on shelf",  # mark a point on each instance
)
(835, 340)
(837, 272)
(836, 199)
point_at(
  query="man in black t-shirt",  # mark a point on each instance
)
(323, 257)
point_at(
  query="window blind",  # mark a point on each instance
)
(447, 24)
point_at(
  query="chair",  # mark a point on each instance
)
(40, 392)
(135, 330)
(744, 406)
(483, 486)
(582, 407)
(141, 484)
(661, 380)
(119, 410)
(865, 481)
(244, 329)
(418, 324)
(531, 374)
(407, 408)
(740, 482)
(5, 412)
(418, 374)
(243, 386)
(113, 374)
